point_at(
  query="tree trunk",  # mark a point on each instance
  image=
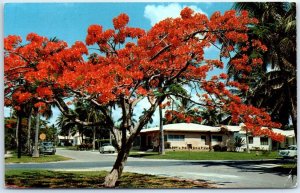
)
(18, 135)
(247, 142)
(116, 172)
(161, 137)
(82, 137)
(94, 138)
(29, 133)
(294, 113)
(36, 138)
(209, 143)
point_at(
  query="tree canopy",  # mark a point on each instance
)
(132, 64)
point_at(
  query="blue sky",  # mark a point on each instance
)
(69, 21)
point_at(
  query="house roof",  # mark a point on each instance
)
(287, 133)
(64, 137)
(70, 136)
(191, 127)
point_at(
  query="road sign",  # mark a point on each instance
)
(42, 136)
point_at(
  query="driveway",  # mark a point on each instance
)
(225, 174)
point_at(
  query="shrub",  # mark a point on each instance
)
(224, 148)
(217, 148)
(67, 143)
(238, 142)
(167, 145)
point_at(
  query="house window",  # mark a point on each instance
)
(165, 138)
(203, 138)
(216, 138)
(175, 137)
(250, 140)
(264, 141)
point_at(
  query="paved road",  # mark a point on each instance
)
(225, 174)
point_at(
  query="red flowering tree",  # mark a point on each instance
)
(124, 72)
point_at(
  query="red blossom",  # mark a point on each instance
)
(186, 13)
(44, 92)
(120, 21)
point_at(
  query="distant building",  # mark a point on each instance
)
(72, 139)
(183, 136)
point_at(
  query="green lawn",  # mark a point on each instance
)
(91, 179)
(41, 159)
(193, 155)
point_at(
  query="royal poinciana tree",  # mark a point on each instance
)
(132, 64)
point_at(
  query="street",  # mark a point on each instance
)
(224, 174)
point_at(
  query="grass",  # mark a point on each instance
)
(193, 155)
(68, 147)
(41, 159)
(91, 179)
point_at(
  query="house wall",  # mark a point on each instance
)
(287, 142)
(256, 145)
(192, 138)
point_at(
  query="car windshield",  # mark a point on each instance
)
(105, 144)
(292, 148)
(47, 144)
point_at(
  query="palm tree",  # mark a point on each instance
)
(47, 113)
(29, 132)
(150, 120)
(94, 116)
(214, 117)
(276, 78)
(66, 125)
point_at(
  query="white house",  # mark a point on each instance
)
(262, 142)
(203, 137)
(73, 139)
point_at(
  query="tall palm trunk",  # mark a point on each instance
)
(247, 142)
(294, 112)
(18, 134)
(94, 138)
(29, 132)
(36, 138)
(161, 137)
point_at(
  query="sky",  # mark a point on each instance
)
(69, 22)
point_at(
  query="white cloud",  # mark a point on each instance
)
(156, 13)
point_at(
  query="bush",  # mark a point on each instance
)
(167, 145)
(265, 152)
(85, 146)
(224, 148)
(217, 148)
(67, 143)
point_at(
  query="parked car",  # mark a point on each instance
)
(290, 152)
(106, 147)
(47, 148)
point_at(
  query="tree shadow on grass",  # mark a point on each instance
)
(53, 179)
(255, 166)
(143, 155)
